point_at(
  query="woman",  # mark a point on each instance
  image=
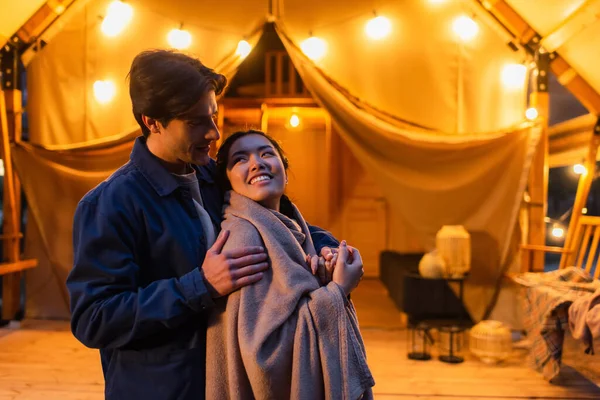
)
(287, 336)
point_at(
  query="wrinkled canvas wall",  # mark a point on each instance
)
(419, 74)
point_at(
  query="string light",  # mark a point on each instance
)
(118, 15)
(531, 113)
(514, 76)
(179, 39)
(378, 28)
(104, 91)
(465, 28)
(314, 48)
(579, 169)
(294, 121)
(584, 210)
(558, 231)
(243, 49)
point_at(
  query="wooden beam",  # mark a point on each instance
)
(279, 73)
(548, 249)
(583, 190)
(538, 186)
(11, 268)
(582, 90)
(526, 35)
(43, 18)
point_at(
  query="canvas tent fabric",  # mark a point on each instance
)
(432, 179)
(420, 67)
(421, 74)
(54, 181)
(468, 168)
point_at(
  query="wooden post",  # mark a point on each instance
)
(11, 283)
(538, 176)
(583, 189)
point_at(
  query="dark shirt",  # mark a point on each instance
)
(136, 287)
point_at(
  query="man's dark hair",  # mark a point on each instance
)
(165, 84)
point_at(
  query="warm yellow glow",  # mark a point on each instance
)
(514, 76)
(558, 231)
(243, 49)
(104, 91)
(584, 210)
(314, 48)
(465, 28)
(437, 1)
(179, 39)
(531, 113)
(117, 17)
(59, 9)
(378, 28)
(294, 121)
(579, 169)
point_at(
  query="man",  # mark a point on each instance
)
(146, 261)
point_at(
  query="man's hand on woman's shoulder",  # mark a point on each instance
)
(227, 271)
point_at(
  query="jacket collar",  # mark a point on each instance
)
(156, 174)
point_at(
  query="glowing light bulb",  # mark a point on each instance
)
(514, 76)
(179, 39)
(579, 169)
(294, 121)
(531, 113)
(558, 231)
(465, 28)
(104, 91)
(118, 15)
(243, 49)
(584, 210)
(314, 48)
(378, 28)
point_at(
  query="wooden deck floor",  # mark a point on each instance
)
(42, 361)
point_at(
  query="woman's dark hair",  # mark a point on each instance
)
(223, 159)
(165, 84)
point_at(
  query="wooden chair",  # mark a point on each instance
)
(581, 247)
(583, 253)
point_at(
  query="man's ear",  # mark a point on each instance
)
(151, 124)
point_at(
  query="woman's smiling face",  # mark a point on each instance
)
(255, 170)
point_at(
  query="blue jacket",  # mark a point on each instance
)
(136, 288)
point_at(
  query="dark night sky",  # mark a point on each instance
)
(562, 181)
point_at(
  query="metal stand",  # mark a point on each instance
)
(423, 355)
(451, 357)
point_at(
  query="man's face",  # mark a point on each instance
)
(187, 141)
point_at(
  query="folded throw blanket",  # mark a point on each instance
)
(285, 337)
(584, 319)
